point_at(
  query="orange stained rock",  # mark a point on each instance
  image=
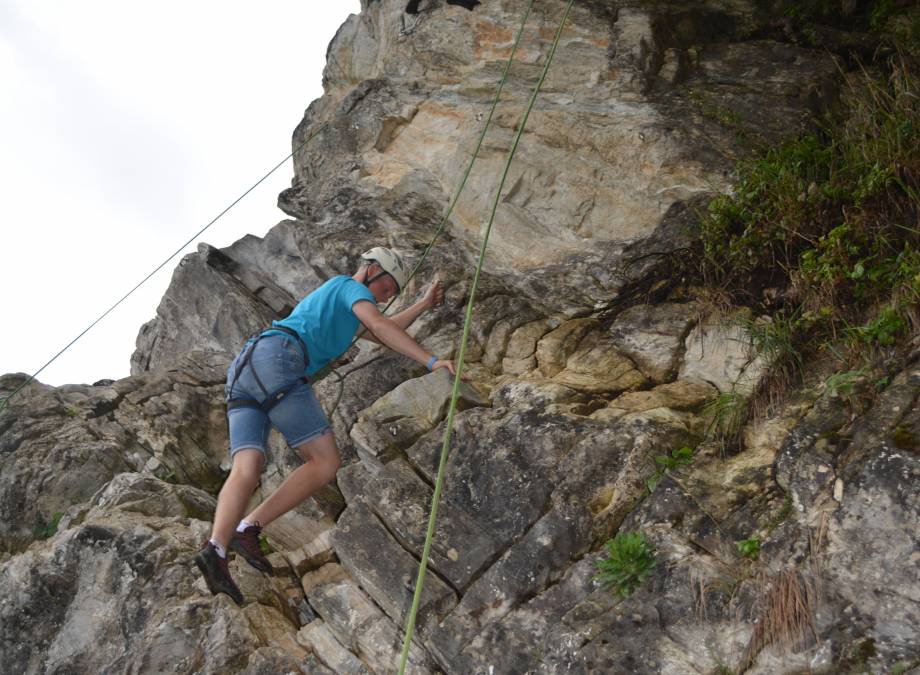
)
(491, 41)
(547, 33)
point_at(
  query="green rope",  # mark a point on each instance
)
(453, 203)
(6, 400)
(445, 446)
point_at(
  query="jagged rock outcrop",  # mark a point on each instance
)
(623, 144)
(586, 369)
(59, 446)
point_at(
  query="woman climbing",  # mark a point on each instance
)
(268, 385)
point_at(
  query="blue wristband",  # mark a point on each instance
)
(432, 361)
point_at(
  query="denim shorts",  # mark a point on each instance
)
(278, 361)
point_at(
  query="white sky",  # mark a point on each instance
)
(124, 129)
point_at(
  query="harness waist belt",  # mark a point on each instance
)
(271, 398)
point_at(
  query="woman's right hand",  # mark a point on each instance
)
(434, 295)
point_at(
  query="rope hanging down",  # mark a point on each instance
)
(6, 400)
(450, 209)
(448, 427)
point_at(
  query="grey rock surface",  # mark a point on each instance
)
(653, 335)
(587, 372)
(113, 590)
(60, 446)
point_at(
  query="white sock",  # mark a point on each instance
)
(243, 525)
(221, 551)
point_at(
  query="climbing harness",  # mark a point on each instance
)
(31, 377)
(448, 425)
(391, 265)
(272, 398)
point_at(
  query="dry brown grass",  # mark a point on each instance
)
(786, 618)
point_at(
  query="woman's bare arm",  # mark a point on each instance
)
(433, 297)
(395, 337)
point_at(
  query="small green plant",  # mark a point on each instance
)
(166, 474)
(843, 384)
(710, 108)
(884, 329)
(264, 545)
(782, 514)
(726, 413)
(46, 530)
(665, 463)
(904, 439)
(630, 560)
(902, 667)
(749, 548)
(70, 411)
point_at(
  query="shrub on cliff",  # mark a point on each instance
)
(824, 230)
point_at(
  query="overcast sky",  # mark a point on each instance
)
(124, 129)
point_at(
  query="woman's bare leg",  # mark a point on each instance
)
(321, 461)
(236, 492)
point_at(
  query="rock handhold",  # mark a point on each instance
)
(720, 352)
(652, 336)
(385, 570)
(399, 418)
(596, 367)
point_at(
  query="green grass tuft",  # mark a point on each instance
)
(630, 560)
(726, 414)
(749, 548)
(46, 530)
(264, 546)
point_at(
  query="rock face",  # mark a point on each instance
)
(60, 446)
(624, 141)
(586, 377)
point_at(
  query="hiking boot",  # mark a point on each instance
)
(216, 574)
(246, 543)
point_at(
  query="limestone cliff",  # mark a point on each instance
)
(587, 365)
